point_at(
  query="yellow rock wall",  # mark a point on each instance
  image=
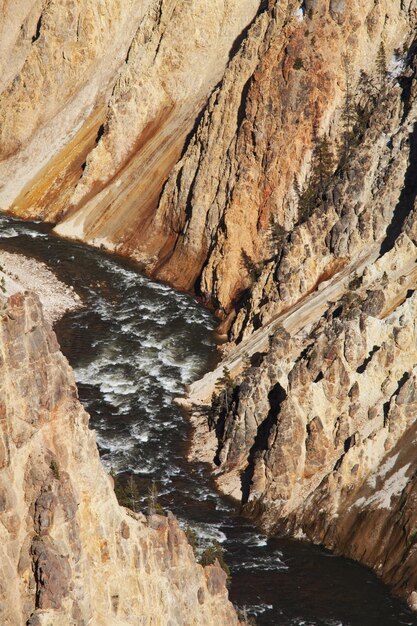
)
(69, 554)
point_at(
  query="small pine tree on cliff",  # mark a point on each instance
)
(349, 110)
(381, 64)
(324, 162)
(322, 168)
(154, 508)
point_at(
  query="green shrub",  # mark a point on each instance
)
(221, 398)
(127, 493)
(192, 538)
(278, 234)
(253, 270)
(54, 469)
(213, 553)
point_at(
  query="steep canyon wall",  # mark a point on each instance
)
(184, 136)
(316, 434)
(174, 132)
(69, 554)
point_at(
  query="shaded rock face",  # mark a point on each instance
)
(173, 133)
(318, 439)
(176, 134)
(68, 553)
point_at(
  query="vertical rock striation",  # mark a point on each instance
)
(59, 60)
(176, 134)
(97, 111)
(318, 438)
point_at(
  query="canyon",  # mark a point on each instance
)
(185, 137)
(69, 553)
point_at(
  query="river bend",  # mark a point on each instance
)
(133, 349)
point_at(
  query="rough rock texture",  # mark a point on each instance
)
(59, 59)
(320, 441)
(317, 437)
(284, 85)
(358, 217)
(177, 55)
(131, 78)
(18, 273)
(69, 555)
(177, 133)
(112, 123)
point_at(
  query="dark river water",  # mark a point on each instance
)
(133, 348)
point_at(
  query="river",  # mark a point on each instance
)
(133, 349)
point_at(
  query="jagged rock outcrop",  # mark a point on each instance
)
(320, 438)
(128, 143)
(183, 136)
(69, 554)
(317, 435)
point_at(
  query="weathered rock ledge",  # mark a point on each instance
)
(19, 273)
(69, 554)
(316, 434)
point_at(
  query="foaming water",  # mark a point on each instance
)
(133, 349)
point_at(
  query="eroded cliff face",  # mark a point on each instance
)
(253, 146)
(97, 110)
(59, 60)
(69, 554)
(319, 439)
(185, 140)
(174, 133)
(316, 435)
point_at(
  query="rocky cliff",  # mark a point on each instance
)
(96, 107)
(262, 155)
(175, 133)
(69, 554)
(315, 434)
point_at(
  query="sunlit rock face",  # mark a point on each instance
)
(177, 133)
(173, 133)
(320, 440)
(318, 437)
(253, 146)
(69, 554)
(98, 106)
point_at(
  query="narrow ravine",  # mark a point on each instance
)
(134, 347)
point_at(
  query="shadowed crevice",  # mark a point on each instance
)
(237, 44)
(387, 405)
(38, 29)
(407, 198)
(276, 397)
(361, 369)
